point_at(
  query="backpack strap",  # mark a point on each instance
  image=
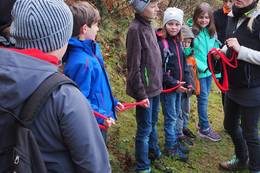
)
(39, 97)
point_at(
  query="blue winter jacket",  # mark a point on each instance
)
(85, 66)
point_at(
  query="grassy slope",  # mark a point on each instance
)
(204, 156)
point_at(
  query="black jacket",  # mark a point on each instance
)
(221, 23)
(244, 81)
(247, 73)
(174, 65)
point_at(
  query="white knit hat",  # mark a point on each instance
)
(173, 13)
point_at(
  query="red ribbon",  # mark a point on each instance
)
(126, 107)
(231, 62)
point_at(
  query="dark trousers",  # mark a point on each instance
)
(104, 134)
(242, 125)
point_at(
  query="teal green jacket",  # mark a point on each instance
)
(203, 43)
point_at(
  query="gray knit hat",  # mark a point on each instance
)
(186, 32)
(173, 13)
(139, 5)
(43, 24)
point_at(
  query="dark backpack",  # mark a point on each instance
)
(19, 151)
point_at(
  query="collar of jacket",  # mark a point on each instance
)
(36, 53)
(142, 19)
(252, 13)
(88, 45)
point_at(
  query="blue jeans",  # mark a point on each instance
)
(171, 107)
(205, 86)
(146, 135)
(185, 107)
(241, 123)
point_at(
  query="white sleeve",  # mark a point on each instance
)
(224, 49)
(249, 55)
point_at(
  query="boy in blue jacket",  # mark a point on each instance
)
(85, 64)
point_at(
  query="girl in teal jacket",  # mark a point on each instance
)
(204, 29)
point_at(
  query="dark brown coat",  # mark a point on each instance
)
(144, 65)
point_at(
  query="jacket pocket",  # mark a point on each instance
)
(21, 161)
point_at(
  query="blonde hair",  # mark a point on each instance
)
(251, 21)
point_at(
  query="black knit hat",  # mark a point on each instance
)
(5, 13)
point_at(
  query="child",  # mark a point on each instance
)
(144, 80)
(85, 64)
(204, 30)
(175, 74)
(188, 37)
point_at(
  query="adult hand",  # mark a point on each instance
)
(146, 103)
(119, 106)
(233, 44)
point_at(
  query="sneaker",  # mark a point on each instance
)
(187, 132)
(160, 165)
(182, 146)
(144, 171)
(210, 134)
(176, 153)
(233, 165)
(185, 140)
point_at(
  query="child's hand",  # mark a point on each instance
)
(146, 103)
(215, 55)
(119, 107)
(181, 89)
(109, 122)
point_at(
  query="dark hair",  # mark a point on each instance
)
(199, 10)
(83, 13)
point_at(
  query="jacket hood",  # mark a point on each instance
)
(21, 74)
(89, 46)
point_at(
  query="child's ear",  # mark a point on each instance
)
(84, 29)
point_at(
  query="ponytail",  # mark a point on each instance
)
(251, 21)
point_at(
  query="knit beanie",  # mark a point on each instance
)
(42, 24)
(186, 32)
(139, 5)
(173, 13)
